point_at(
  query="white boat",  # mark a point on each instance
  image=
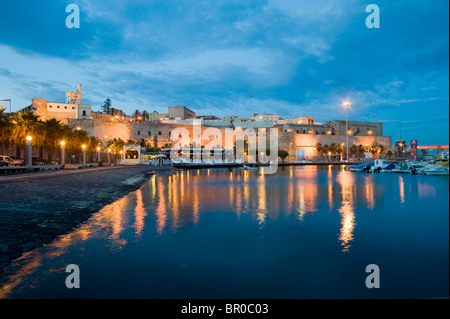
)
(361, 167)
(381, 165)
(431, 168)
(403, 168)
(436, 170)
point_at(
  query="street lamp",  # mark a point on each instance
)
(63, 153)
(346, 105)
(98, 153)
(29, 152)
(84, 153)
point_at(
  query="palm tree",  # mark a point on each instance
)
(145, 115)
(319, 148)
(137, 114)
(360, 149)
(353, 150)
(116, 144)
(93, 143)
(333, 148)
(6, 129)
(374, 149)
(27, 124)
(53, 131)
(141, 142)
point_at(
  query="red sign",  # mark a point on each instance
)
(414, 154)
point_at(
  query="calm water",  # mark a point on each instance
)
(305, 232)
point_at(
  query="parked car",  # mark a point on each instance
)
(37, 161)
(15, 161)
(4, 160)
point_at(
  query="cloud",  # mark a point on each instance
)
(227, 56)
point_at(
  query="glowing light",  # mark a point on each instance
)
(63, 143)
(83, 146)
(29, 138)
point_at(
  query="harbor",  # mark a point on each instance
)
(224, 159)
(304, 232)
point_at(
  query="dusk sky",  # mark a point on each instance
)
(291, 57)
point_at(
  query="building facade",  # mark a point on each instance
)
(73, 108)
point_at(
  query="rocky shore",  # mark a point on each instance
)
(34, 212)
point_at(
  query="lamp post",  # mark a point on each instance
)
(29, 152)
(84, 154)
(98, 153)
(346, 105)
(109, 155)
(63, 153)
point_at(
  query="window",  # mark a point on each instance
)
(73, 107)
(159, 133)
(50, 106)
(139, 132)
(58, 106)
(317, 132)
(65, 107)
(149, 133)
(84, 113)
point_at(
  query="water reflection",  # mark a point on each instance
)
(370, 196)
(262, 200)
(402, 189)
(426, 190)
(161, 214)
(346, 180)
(173, 200)
(139, 213)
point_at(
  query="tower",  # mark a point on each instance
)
(74, 97)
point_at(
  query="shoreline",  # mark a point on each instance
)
(34, 211)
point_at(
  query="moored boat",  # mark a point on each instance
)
(361, 167)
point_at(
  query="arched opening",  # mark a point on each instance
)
(131, 153)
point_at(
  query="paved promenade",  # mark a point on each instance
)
(37, 207)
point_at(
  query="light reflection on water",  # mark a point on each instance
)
(312, 214)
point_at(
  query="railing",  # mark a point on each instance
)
(38, 168)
